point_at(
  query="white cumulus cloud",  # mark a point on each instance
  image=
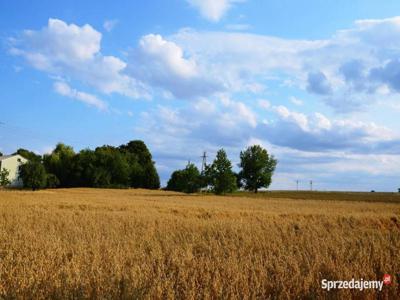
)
(64, 89)
(62, 42)
(168, 56)
(163, 64)
(72, 51)
(316, 132)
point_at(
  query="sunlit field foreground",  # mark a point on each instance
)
(92, 243)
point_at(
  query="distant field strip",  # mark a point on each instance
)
(332, 196)
(94, 243)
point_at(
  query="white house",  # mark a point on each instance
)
(12, 163)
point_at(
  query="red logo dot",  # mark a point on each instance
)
(387, 279)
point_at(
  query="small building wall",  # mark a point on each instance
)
(12, 164)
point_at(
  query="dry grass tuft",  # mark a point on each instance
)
(91, 243)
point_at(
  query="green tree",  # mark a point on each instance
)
(112, 168)
(192, 178)
(143, 172)
(29, 155)
(4, 173)
(85, 167)
(176, 181)
(220, 175)
(61, 163)
(187, 180)
(33, 175)
(257, 168)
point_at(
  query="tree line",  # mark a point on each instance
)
(129, 165)
(257, 168)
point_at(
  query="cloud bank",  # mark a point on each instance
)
(209, 97)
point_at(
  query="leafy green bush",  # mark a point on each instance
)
(33, 175)
(187, 180)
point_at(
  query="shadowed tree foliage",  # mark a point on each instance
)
(60, 163)
(219, 174)
(85, 167)
(257, 168)
(33, 175)
(239, 182)
(129, 165)
(187, 180)
(176, 182)
(143, 172)
(112, 168)
(52, 181)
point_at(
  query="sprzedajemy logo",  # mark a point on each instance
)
(360, 284)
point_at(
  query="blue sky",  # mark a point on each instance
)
(315, 82)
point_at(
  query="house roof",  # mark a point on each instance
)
(5, 156)
(8, 156)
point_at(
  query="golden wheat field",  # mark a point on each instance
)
(107, 244)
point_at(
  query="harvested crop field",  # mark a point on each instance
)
(94, 243)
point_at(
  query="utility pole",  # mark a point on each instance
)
(311, 185)
(297, 185)
(204, 162)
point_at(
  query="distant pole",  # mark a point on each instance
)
(297, 185)
(311, 185)
(204, 162)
